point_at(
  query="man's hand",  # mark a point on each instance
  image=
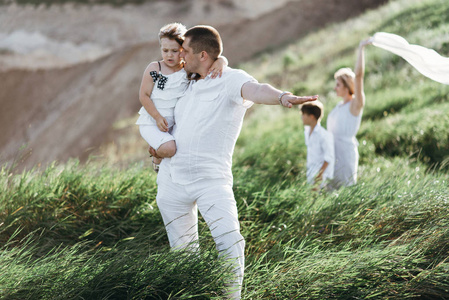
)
(263, 93)
(289, 100)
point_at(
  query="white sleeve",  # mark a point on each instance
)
(235, 79)
(328, 147)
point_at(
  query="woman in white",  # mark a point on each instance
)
(163, 83)
(344, 120)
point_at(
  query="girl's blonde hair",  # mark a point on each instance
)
(347, 76)
(173, 31)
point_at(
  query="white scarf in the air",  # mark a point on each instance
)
(427, 61)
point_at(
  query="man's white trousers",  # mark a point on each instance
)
(214, 198)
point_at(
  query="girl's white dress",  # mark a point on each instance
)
(344, 126)
(165, 100)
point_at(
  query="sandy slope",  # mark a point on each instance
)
(62, 104)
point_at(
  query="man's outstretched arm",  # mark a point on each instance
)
(263, 93)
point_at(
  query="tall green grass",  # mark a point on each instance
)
(94, 231)
(386, 237)
(71, 203)
(90, 232)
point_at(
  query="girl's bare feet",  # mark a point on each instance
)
(156, 161)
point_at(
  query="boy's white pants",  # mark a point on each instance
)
(214, 198)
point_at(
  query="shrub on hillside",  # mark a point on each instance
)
(422, 134)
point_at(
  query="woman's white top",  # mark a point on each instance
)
(320, 149)
(165, 99)
(344, 126)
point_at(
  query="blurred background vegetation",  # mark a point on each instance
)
(93, 231)
(88, 2)
(406, 113)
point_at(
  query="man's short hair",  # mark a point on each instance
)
(205, 38)
(314, 108)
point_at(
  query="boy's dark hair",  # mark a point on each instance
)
(311, 109)
(205, 38)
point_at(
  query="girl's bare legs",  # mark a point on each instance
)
(167, 149)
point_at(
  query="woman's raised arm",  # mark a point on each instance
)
(359, 95)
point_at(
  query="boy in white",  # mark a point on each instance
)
(209, 118)
(320, 145)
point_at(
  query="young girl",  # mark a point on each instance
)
(163, 83)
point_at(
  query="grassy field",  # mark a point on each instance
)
(93, 231)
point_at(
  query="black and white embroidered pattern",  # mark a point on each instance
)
(162, 79)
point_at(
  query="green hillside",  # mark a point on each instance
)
(94, 231)
(406, 113)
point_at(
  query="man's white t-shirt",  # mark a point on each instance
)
(208, 120)
(320, 148)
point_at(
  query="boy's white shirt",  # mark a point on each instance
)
(320, 148)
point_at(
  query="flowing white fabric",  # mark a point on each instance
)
(426, 61)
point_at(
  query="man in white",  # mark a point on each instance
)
(208, 121)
